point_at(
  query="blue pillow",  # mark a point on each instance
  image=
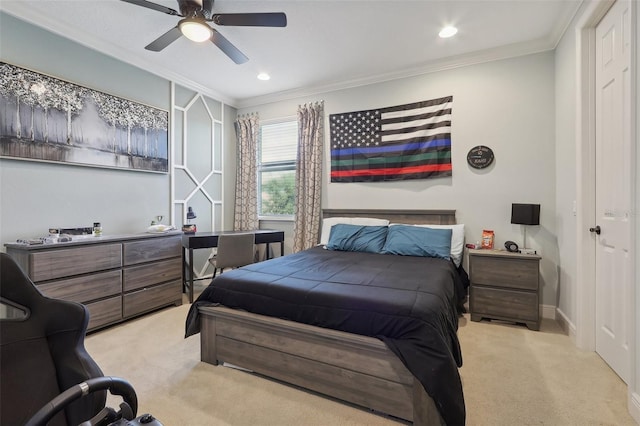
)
(345, 237)
(409, 240)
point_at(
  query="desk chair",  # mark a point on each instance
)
(43, 357)
(234, 251)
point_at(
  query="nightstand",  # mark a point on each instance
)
(505, 286)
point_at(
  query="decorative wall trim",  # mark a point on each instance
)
(180, 165)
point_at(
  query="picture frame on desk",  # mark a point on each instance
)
(189, 228)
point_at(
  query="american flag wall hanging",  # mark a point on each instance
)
(411, 141)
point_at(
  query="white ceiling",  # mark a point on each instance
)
(326, 44)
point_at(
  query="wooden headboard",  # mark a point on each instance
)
(409, 217)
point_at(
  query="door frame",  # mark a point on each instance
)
(585, 190)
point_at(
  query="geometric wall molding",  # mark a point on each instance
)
(196, 129)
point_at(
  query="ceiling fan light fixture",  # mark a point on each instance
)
(448, 31)
(195, 30)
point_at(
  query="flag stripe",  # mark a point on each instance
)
(390, 161)
(415, 129)
(413, 145)
(393, 171)
(417, 105)
(390, 177)
(418, 118)
(412, 138)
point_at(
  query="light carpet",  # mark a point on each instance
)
(511, 376)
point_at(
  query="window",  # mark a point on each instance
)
(277, 168)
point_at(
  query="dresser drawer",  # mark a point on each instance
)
(504, 272)
(105, 312)
(509, 304)
(150, 274)
(151, 249)
(85, 288)
(152, 297)
(52, 264)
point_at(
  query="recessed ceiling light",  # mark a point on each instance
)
(448, 31)
(263, 76)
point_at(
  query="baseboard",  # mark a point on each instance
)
(566, 324)
(634, 406)
(548, 311)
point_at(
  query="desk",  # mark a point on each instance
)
(201, 240)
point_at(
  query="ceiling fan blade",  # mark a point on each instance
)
(148, 4)
(250, 19)
(229, 49)
(164, 40)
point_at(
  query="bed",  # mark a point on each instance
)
(367, 328)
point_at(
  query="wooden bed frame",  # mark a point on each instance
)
(357, 369)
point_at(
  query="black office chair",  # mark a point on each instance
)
(47, 375)
(234, 251)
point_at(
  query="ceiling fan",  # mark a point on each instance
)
(193, 25)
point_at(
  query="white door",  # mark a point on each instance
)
(613, 188)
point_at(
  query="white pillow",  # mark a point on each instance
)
(457, 239)
(328, 223)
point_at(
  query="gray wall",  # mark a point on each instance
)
(35, 196)
(565, 85)
(507, 105)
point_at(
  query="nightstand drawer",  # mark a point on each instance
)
(504, 272)
(512, 304)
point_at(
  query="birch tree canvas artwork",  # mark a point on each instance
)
(47, 119)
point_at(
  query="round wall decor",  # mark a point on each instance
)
(480, 157)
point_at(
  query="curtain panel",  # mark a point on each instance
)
(308, 175)
(246, 203)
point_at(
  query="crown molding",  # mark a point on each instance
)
(567, 18)
(463, 60)
(495, 54)
(22, 12)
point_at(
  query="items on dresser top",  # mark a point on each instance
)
(63, 235)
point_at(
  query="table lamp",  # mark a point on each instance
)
(190, 213)
(525, 214)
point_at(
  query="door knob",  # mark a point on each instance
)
(596, 229)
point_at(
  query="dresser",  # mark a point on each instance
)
(505, 286)
(115, 277)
